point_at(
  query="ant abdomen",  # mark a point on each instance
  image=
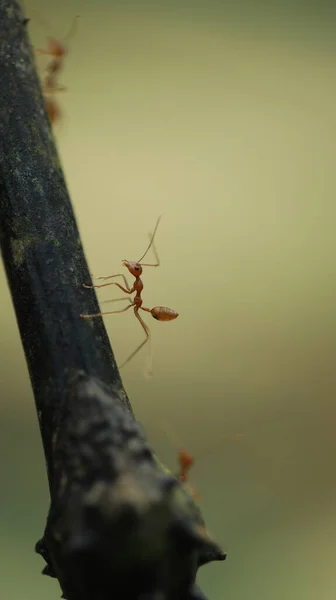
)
(53, 111)
(162, 313)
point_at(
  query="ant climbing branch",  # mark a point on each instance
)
(50, 85)
(160, 313)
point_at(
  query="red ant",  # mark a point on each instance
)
(186, 461)
(160, 313)
(184, 458)
(50, 85)
(58, 51)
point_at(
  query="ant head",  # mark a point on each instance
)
(134, 268)
(56, 48)
(185, 459)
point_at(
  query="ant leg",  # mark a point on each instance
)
(113, 312)
(52, 90)
(150, 356)
(117, 275)
(129, 291)
(147, 339)
(126, 291)
(72, 29)
(157, 264)
(192, 492)
(105, 284)
(42, 51)
(116, 300)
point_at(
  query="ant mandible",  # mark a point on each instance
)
(160, 313)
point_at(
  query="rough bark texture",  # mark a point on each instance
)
(119, 524)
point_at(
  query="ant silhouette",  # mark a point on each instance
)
(160, 313)
(50, 85)
(185, 462)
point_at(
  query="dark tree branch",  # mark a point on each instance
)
(119, 524)
(118, 520)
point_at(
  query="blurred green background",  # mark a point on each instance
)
(221, 118)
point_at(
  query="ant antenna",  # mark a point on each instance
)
(46, 25)
(37, 17)
(72, 29)
(151, 240)
(170, 433)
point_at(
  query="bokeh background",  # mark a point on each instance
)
(221, 118)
